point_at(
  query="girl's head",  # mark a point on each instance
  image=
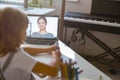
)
(13, 24)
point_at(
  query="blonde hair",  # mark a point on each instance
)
(12, 24)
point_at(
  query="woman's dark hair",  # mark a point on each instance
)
(42, 17)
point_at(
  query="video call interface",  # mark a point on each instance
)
(52, 25)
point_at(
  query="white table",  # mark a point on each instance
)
(90, 72)
(29, 10)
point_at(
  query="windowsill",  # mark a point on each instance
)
(30, 10)
(9, 5)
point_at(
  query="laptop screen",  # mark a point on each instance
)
(51, 26)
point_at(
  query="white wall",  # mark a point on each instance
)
(83, 6)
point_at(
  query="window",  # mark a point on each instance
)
(28, 3)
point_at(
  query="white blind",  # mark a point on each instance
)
(16, 2)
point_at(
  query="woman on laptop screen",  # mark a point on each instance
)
(42, 33)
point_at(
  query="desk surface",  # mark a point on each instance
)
(90, 72)
(30, 11)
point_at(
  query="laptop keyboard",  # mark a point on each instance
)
(41, 41)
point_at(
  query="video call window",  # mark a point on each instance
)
(52, 25)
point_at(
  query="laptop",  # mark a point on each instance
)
(51, 27)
